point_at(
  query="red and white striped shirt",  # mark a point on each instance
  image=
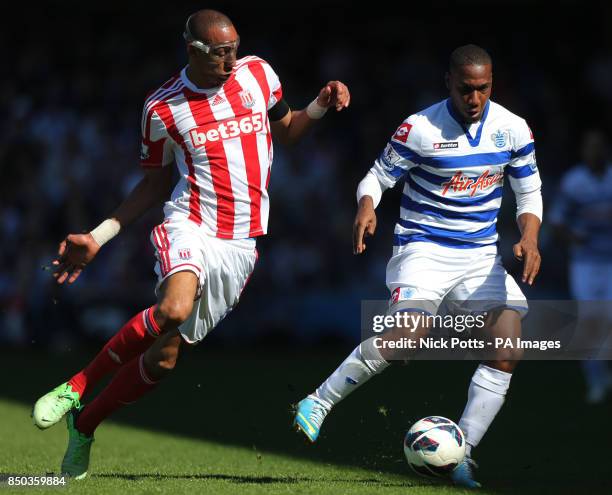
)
(221, 142)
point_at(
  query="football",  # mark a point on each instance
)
(434, 446)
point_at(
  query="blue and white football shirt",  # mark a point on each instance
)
(454, 173)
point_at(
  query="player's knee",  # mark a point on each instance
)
(167, 364)
(506, 365)
(173, 312)
(160, 362)
(394, 346)
(509, 355)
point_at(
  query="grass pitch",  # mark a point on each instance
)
(131, 460)
(222, 425)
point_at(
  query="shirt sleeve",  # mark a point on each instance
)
(399, 156)
(522, 169)
(276, 89)
(370, 186)
(156, 145)
(529, 202)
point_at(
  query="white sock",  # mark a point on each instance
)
(485, 398)
(361, 365)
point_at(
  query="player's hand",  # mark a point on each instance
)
(364, 225)
(74, 253)
(527, 250)
(334, 94)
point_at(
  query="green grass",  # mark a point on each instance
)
(133, 460)
(221, 424)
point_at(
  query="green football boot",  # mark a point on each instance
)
(76, 458)
(52, 407)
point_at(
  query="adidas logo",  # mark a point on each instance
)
(217, 100)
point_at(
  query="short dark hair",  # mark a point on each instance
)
(469, 55)
(199, 23)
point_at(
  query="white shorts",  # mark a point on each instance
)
(223, 267)
(423, 275)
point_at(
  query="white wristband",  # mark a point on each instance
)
(315, 111)
(104, 232)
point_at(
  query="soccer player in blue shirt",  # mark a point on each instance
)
(453, 156)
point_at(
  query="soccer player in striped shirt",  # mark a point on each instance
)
(215, 120)
(453, 157)
(582, 217)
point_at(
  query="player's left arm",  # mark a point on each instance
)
(527, 247)
(526, 183)
(288, 126)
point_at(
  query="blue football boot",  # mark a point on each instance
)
(309, 416)
(463, 475)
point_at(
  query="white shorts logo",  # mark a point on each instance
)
(401, 294)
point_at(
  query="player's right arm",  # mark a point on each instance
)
(77, 250)
(392, 164)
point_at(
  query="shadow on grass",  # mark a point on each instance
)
(260, 480)
(246, 400)
(255, 480)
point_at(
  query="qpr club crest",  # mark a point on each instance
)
(499, 138)
(247, 99)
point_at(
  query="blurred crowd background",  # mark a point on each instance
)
(75, 77)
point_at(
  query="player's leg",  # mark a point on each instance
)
(370, 358)
(367, 360)
(171, 240)
(131, 382)
(131, 340)
(135, 337)
(487, 391)
(589, 282)
(418, 278)
(222, 279)
(488, 287)
(605, 333)
(226, 272)
(135, 378)
(491, 380)
(142, 372)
